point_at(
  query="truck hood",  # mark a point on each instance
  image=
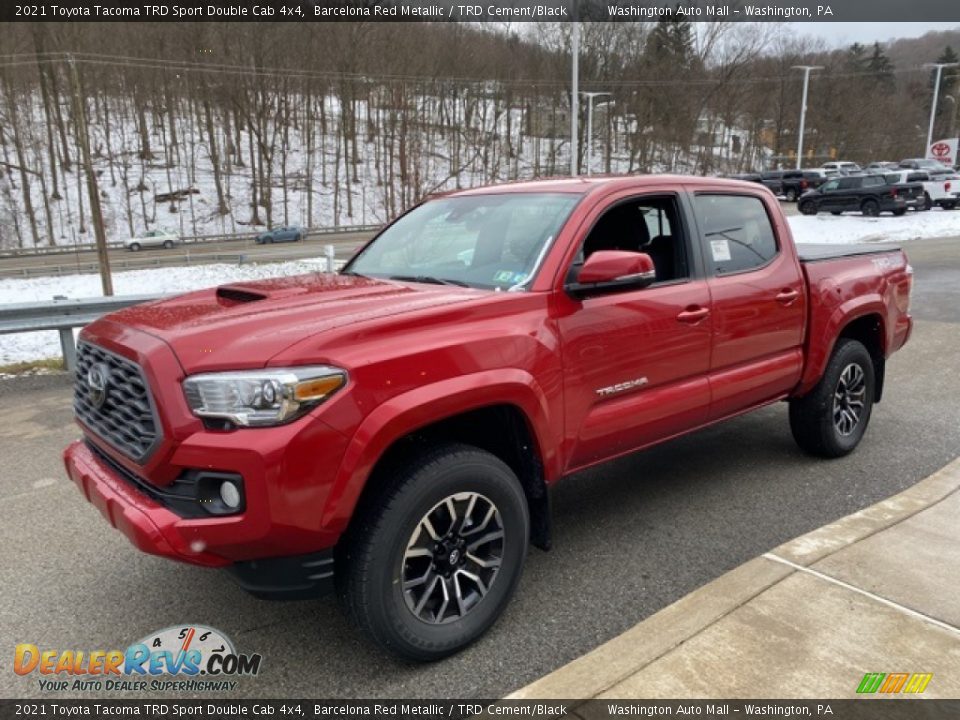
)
(243, 325)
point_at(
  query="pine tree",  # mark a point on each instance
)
(881, 69)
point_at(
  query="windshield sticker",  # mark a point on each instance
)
(503, 276)
(720, 249)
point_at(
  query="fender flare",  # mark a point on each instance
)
(818, 353)
(423, 406)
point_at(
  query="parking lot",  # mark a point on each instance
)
(630, 537)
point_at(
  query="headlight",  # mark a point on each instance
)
(260, 398)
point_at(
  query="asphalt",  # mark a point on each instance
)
(630, 538)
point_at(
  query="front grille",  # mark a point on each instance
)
(111, 398)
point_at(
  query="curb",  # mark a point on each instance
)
(601, 669)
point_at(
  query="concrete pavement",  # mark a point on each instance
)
(877, 591)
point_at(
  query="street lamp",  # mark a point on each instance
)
(807, 69)
(590, 96)
(574, 94)
(936, 96)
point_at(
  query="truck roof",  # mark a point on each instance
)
(602, 183)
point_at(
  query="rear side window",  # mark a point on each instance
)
(737, 233)
(873, 181)
(850, 183)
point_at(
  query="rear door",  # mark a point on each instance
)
(635, 361)
(758, 301)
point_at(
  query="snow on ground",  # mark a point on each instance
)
(854, 228)
(32, 346)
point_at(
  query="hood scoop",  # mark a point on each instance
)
(229, 296)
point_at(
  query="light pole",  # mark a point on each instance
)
(936, 96)
(574, 95)
(590, 96)
(807, 69)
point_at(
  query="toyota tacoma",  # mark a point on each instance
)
(392, 431)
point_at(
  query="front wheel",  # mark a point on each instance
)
(830, 420)
(434, 559)
(949, 205)
(135, 247)
(808, 208)
(900, 211)
(791, 195)
(168, 244)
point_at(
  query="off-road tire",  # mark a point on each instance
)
(371, 557)
(812, 417)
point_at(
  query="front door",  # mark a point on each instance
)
(635, 361)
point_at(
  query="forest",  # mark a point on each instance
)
(223, 128)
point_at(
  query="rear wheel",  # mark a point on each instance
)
(808, 208)
(927, 201)
(870, 208)
(900, 211)
(168, 244)
(791, 195)
(830, 420)
(949, 205)
(429, 566)
(836, 212)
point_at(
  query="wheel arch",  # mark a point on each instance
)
(509, 419)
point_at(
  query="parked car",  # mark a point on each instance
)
(843, 167)
(397, 427)
(796, 182)
(922, 164)
(773, 179)
(155, 238)
(938, 189)
(281, 234)
(870, 194)
(881, 166)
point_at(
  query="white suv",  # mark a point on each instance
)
(154, 238)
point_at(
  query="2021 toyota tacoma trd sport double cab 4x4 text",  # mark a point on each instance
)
(393, 430)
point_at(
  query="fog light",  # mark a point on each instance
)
(230, 494)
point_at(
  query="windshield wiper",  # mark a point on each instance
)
(429, 279)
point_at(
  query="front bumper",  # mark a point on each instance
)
(151, 527)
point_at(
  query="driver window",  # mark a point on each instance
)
(646, 225)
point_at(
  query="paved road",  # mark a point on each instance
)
(193, 253)
(631, 537)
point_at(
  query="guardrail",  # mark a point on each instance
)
(63, 314)
(186, 240)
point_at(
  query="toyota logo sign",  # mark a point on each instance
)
(940, 149)
(98, 377)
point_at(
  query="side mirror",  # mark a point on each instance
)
(608, 270)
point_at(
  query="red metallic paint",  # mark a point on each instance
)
(415, 354)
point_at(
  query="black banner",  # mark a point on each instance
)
(946, 11)
(862, 709)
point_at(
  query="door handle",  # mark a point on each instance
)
(787, 296)
(693, 314)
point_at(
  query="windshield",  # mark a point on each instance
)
(482, 241)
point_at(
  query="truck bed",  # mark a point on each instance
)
(814, 252)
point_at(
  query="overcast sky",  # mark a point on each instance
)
(845, 33)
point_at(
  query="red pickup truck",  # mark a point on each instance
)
(393, 429)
